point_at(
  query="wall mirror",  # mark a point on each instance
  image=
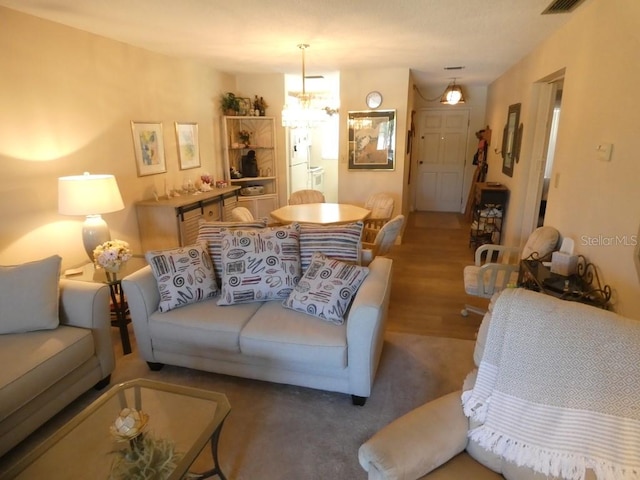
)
(511, 140)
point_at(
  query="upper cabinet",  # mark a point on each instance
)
(250, 161)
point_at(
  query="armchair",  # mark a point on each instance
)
(543, 399)
(496, 266)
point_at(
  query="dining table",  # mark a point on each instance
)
(320, 213)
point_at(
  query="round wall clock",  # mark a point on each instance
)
(374, 99)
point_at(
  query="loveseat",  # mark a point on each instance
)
(261, 339)
(555, 396)
(55, 344)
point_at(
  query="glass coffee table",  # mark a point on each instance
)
(85, 448)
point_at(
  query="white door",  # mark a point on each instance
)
(441, 143)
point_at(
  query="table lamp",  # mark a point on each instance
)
(90, 195)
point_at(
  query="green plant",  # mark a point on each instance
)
(145, 457)
(229, 102)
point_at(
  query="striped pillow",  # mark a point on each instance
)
(210, 232)
(341, 242)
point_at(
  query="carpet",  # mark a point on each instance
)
(278, 432)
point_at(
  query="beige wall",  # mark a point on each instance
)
(596, 203)
(67, 99)
(354, 186)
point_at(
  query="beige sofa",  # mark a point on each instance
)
(264, 340)
(46, 369)
(433, 441)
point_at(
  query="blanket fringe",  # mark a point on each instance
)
(474, 407)
(546, 462)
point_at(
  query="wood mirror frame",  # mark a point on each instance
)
(511, 140)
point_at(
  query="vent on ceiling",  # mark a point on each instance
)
(561, 6)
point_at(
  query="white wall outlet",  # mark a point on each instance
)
(604, 151)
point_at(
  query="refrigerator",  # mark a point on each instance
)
(299, 158)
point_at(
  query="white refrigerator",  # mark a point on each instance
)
(299, 158)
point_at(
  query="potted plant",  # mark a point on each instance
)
(229, 104)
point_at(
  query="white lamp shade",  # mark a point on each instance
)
(88, 195)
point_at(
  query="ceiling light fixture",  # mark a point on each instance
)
(302, 110)
(452, 94)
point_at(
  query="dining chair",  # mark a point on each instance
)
(306, 196)
(241, 214)
(384, 241)
(381, 206)
(496, 267)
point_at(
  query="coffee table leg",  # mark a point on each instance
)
(216, 470)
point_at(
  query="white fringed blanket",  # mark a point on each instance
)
(558, 388)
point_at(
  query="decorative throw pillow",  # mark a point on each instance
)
(327, 288)
(184, 275)
(260, 264)
(29, 296)
(210, 233)
(342, 242)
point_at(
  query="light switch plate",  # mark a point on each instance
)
(604, 151)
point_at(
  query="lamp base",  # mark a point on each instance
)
(94, 232)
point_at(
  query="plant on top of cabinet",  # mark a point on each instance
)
(229, 104)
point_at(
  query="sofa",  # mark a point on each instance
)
(259, 338)
(55, 344)
(555, 396)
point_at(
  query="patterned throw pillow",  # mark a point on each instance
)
(259, 264)
(342, 242)
(184, 275)
(210, 233)
(327, 288)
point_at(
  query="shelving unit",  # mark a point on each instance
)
(262, 142)
(489, 210)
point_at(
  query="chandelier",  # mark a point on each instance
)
(302, 109)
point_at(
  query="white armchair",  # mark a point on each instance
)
(496, 266)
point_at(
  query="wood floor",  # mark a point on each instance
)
(427, 292)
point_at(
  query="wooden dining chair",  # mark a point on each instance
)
(306, 196)
(381, 207)
(384, 241)
(241, 214)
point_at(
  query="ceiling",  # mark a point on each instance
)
(261, 36)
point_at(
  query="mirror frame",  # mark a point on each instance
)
(511, 139)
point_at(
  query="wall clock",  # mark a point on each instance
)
(374, 99)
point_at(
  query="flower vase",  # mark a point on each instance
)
(112, 272)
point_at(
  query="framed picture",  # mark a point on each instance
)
(187, 140)
(148, 146)
(372, 139)
(245, 106)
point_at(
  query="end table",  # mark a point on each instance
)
(119, 307)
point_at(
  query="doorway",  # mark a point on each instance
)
(552, 136)
(549, 93)
(441, 147)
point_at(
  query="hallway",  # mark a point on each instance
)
(428, 292)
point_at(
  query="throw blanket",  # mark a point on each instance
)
(558, 388)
